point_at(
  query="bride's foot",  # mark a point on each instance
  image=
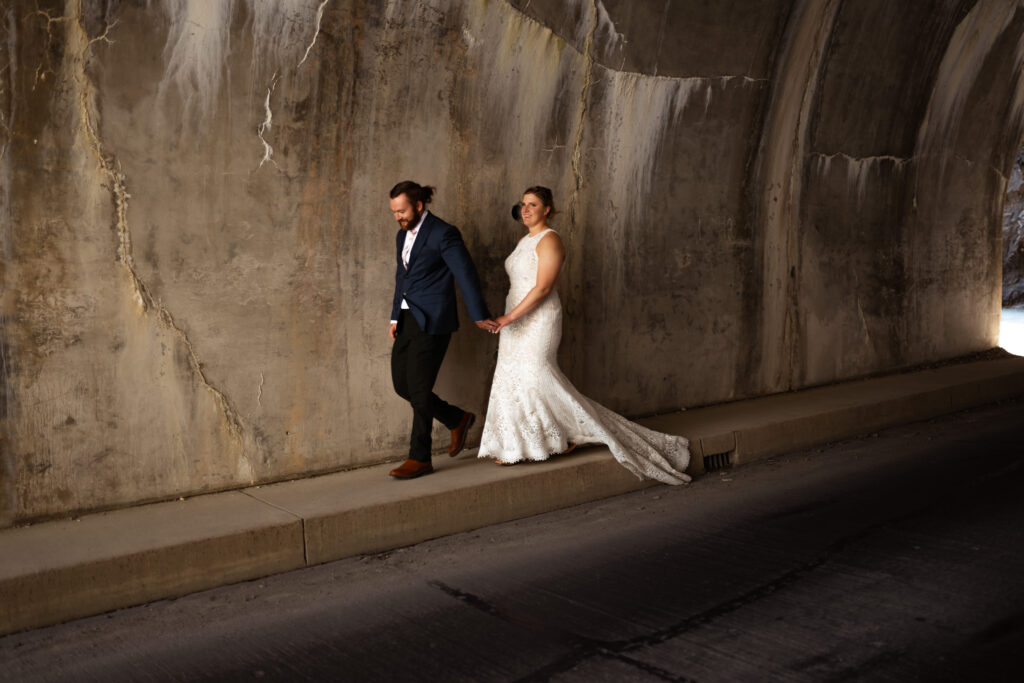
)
(505, 464)
(569, 448)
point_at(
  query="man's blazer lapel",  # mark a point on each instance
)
(421, 239)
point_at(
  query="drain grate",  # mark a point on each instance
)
(717, 461)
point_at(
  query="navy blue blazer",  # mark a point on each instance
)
(438, 260)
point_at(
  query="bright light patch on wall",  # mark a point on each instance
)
(1011, 330)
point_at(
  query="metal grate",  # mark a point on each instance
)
(717, 461)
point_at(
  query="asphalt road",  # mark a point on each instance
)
(897, 557)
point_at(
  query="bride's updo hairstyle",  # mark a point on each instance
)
(414, 191)
(545, 196)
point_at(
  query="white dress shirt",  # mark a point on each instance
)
(410, 239)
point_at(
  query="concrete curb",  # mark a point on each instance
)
(57, 571)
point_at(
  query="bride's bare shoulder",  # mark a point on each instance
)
(550, 241)
(551, 236)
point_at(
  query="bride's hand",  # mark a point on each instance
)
(501, 321)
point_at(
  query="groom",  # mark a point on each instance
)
(431, 256)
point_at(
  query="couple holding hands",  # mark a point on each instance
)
(534, 411)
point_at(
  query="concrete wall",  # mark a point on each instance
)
(756, 196)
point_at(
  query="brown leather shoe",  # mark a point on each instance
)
(410, 469)
(460, 433)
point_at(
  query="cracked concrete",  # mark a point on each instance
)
(738, 222)
(847, 157)
(117, 183)
(44, 67)
(268, 151)
(316, 32)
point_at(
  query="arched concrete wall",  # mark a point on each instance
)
(197, 257)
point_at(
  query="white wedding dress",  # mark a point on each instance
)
(534, 410)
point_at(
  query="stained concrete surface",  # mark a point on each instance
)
(897, 557)
(756, 197)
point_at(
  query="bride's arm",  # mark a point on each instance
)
(550, 256)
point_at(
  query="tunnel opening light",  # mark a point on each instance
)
(1011, 322)
(1011, 330)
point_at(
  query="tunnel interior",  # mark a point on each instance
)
(757, 197)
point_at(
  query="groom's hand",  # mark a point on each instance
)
(486, 325)
(393, 331)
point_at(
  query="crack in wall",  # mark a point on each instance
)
(268, 151)
(848, 157)
(316, 33)
(105, 35)
(265, 125)
(44, 66)
(118, 189)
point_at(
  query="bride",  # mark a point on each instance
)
(534, 411)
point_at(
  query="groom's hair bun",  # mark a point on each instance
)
(415, 191)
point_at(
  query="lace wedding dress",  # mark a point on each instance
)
(534, 410)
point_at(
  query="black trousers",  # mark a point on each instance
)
(416, 359)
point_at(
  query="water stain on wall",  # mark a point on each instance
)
(197, 253)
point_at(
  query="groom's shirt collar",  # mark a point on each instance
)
(410, 238)
(419, 225)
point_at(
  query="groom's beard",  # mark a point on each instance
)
(411, 223)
